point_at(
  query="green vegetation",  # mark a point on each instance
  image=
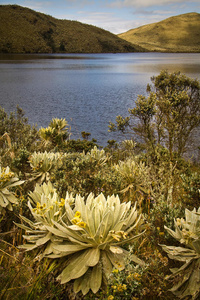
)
(168, 116)
(175, 34)
(80, 222)
(23, 30)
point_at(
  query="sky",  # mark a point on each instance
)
(115, 16)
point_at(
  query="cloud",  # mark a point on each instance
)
(146, 3)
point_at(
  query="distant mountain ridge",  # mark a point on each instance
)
(175, 34)
(23, 30)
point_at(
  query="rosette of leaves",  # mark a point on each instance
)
(187, 232)
(97, 155)
(8, 180)
(135, 178)
(93, 233)
(43, 164)
(56, 133)
(46, 207)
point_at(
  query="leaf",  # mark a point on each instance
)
(69, 248)
(96, 278)
(96, 217)
(117, 259)
(115, 249)
(75, 268)
(16, 183)
(69, 232)
(106, 263)
(83, 283)
(196, 245)
(104, 228)
(2, 202)
(137, 260)
(92, 257)
(56, 231)
(28, 247)
(12, 198)
(44, 240)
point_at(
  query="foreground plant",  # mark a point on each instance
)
(7, 181)
(187, 232)
(89, 235)
(93, 233)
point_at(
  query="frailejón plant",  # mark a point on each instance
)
(187, 232)
(135, 176)
(46, 207)
(43, 164)
(56, 133)
(7, 181)
(88, 233)
(93, 232)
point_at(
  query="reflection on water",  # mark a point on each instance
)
(89, 90)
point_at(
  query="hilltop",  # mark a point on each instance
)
(175, 34)
(23, 30)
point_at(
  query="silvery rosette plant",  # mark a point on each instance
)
(96, 154)
(88, 233)
(43, 164)
(187, 232)
(7, 181)
(46, 207)
(135, 176)
(93, 233)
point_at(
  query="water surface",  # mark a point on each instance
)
(89, 90)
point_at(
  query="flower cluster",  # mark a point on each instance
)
(5, 175)
(78, 221)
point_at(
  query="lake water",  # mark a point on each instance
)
(89, 90)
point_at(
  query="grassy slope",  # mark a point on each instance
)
(23, 30)
(176, 34)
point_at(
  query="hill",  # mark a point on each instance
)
(175, 34)
(23, 30)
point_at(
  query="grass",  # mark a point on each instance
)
(176, 34)
(23, 30)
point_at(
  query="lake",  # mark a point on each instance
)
(88, 90)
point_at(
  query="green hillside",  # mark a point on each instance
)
(23, 30)
(176, 34)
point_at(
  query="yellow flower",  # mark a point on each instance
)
(121, 287)
(75, 221)
(130, 276)
(77, 214)
(110, 297)
(81, 224)
(115, 271)
(114, 287)
(137, 276)
(161, 233)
